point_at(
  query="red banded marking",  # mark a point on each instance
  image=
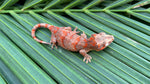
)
(41, 41)
(69, 35)
(38, 25)
(34, 37)
(72, 35)
(57, 28)
(92, 42)
(33, 32)
(63, 37)
(37, 40)
(91, 38)
(76, 42)
(46, 25)
(50, 27)
(35, 28)
(85, 43)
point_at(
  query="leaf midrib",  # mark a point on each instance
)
(71, 10)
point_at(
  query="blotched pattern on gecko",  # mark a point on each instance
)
(70, 40)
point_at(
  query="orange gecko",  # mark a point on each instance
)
(70, 40)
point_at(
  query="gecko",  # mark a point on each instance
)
(70, 40)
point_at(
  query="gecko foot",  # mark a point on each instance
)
(87, 58)
(53, 44)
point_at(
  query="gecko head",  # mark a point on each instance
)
(102, 40)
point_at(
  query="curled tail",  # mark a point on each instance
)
(44, 25)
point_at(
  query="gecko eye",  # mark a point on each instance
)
(93, 35)
(102, 33)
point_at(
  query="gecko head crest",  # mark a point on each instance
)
(102, 40)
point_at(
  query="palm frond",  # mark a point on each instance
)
(23, 60)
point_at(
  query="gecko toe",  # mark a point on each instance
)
(53, 46)
(56, 46)
(87, 58)
(84, 59)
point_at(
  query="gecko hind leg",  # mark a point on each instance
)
(53, 41)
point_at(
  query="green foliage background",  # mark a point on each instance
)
(126, 60)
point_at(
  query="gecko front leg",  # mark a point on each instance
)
(84, 35)
(75, 30)
(86, 56)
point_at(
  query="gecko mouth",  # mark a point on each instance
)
(111, 38)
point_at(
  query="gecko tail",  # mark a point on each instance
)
(44, 25)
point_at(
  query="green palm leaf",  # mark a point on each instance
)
(23, 60)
